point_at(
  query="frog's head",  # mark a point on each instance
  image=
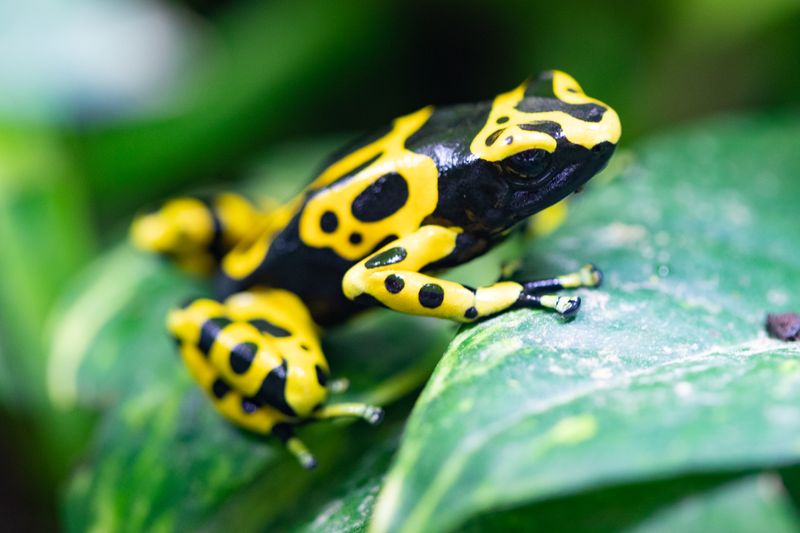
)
(543, 141)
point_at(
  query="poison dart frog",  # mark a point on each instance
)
(432, 190)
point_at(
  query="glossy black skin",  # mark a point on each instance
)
(483, 198)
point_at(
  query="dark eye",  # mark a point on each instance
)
(529, 164)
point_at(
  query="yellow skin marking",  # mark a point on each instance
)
(183, 224)
(261, 420)
(257, 354)
(426, 245)
(586, 134)
(418, 170)
(301, 349)
(253, 247)
(184, 228)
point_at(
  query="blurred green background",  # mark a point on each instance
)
(109, 106)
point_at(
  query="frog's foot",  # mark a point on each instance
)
(588, 276)
(566, 306)
(296, 447)
(370, 413)
(195, 233)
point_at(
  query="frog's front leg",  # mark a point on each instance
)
(258, 357)
(588, 276)
(392, 277)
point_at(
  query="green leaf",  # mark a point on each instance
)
(751, 504)
(46, 237)
(706, 502)
(666, 371)
(162, 458)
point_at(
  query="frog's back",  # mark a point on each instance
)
(361, 201)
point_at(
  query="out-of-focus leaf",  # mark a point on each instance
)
(271, 64)
(45, 238)
(666, 370)
(756, 503)
(717, 502)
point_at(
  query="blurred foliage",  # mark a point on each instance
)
(105, 108)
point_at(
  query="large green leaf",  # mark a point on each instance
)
(162, 459)
(667, 370)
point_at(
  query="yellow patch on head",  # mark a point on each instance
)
(502, 135)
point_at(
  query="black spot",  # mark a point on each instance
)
(502, 120)
(493, 137)
(249, 406)
(431, 295)
(329, 222)
(356, 238)
(387, 257)
(322, 377)
(508, 140)
(304, 347)
(209, 332)
(265, 326)
(220, 388)
(273, 389)
(471, 313)
(242, 356)
(382, 198)
(394, 284)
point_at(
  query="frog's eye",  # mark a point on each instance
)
(529, 164)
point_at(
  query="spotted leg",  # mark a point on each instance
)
(392, 277)
(257, 355)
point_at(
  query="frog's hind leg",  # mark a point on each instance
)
(195, 233)
(392, 277)
(258, 356)
(243, 411)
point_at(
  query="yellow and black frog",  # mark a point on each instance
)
(435, 189)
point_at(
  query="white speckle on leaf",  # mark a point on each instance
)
(777, 297)
(602, 373)
(683, 389)
(617, 234)
(574, 429)
(737, 213)
(326, 514)
(466, 404)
